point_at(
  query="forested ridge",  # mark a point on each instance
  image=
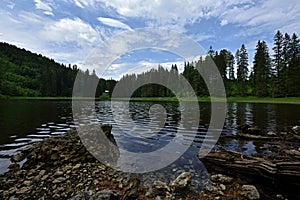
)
(28, 74)
(275, 73)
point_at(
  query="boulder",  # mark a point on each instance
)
(250, 192)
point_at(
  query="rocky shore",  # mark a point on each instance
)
(60, 167)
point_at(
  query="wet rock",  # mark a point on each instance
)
(131, 191)
(158, 188)
(246, 128)
(181, 182)
(14, 166)
(18, 157)
(59, 180)
(296, 129)
(250, 192)
(221, 178)
(271, 133)
(23, 190)
(97, 195)
(58, 173)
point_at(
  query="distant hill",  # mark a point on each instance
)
(23, 73)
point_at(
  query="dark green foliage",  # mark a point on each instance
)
(27, 74)
(261, 70)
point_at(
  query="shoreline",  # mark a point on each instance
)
(284, 100)
(60, 167)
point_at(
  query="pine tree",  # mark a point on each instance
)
(278, 61)
(293, 71)
(261, 69)
(242, 69)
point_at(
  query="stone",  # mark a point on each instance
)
(13, 198)
(250, 192)
(23, 190)
(181, 182)
(271, 133)
(131, 190)
(296, 129)
(18, 157)
(97, 195)
(221, 178)
(27, 183)
(58, 173)
(158, 188)
(14, 166)
(59, 180)
(223, 187)
(77, 166)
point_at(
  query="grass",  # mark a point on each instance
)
(249, 99)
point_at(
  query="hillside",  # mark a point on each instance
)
(24, 73)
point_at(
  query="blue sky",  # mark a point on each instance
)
(68, 30)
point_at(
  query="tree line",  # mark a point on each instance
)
(272, 75)
(23, 73)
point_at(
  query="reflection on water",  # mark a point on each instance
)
(26, 121)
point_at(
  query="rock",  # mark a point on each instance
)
(296, 129)
(223, 187)
(181, 182)
(13, 198)
(221, 178)
(250, 192)
(271, 133)
(158, 188)
(279, 196)
(58, 173)
(18, 157)
(131, 191)
(14, 166)
(27, 183)
(246, 128)
(23, 190)
(59, 180)
(97, 195)
(77, 166)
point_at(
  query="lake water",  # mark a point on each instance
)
(25, 121)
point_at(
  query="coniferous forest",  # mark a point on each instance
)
(27, 74)
(275, 73)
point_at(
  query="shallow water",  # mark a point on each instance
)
(25, 121)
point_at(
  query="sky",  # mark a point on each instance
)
(70, 30)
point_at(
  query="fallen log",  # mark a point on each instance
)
(271, 175)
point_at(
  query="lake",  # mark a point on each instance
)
(26, 121)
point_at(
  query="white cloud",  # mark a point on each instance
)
(224, 22)
(113, 23)
(39, 4)
(71, 30)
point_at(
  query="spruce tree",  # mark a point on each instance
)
(242, 69)
(261, 69)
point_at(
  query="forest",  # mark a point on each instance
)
(274, 74)
(27, 74)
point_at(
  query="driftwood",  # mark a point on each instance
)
(235, 162)
(271, 176)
